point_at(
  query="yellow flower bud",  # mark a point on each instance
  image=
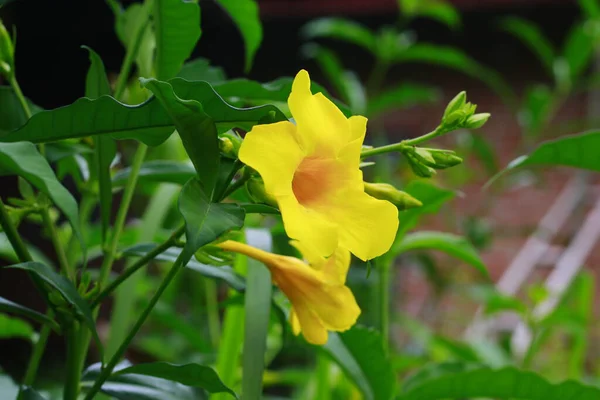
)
(385, 191)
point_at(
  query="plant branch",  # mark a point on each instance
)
(399, 146)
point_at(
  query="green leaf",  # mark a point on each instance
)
(14, 308)
(495, 301)
(105, 148)
(438, 10)
(457, 380)
(133, 29)
(158, 171)
(454, 245)
(257, 308)
(245, 15)
(12, 114)
(194, 375)
(431, 196)
(450, 57)
(402, 96)
(15, 328)
(226, 274)
(579, 151)
(359, 352)
(200, 69)
(342, 29)
(206, 221)
(177, 30)
(23, 159)
(331, 67)
(531, 36)
(591, 8)
(138, 387)
(578, 49)
(65, 287)
(31, 394)
(148, 122)
(196, 130)
(535, 110)
(259, 209)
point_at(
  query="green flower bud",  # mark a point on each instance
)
(418, 167)
(444, 158)
(385, 191)
(455, 104)
(7, 52)
(477, 120)
(226, 147)
(235, 140)
(256, 189)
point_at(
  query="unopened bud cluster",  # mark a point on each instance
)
(461, 114)
(425, 161)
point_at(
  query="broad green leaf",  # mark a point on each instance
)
(8, 253)
(359, 352)
(14, 308)
(134, 30)
(226, 274)
(457, 380)
(402, 96)
(578, 49)
(453, 58)
(342, 29)
(23, 159)
(531, 36)
(31, 394)
(206, 221)
(579, 151)
(148, 122)
(257, 310)
(68, 291)
(439, 10)
(196, 129)
(454, 245)
(431, 196)
(12, 115)
(105, 148)
(138, 387)
(11, 327)
(245, 15)
(194, 375)
(200, 69)
(177, 30)
(158, 171)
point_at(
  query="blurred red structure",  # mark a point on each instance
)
(291, 8)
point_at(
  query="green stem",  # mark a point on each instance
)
(73, 370)
(20, 96)
(36, 356)
(236, 185)
(65, 267)
(399, 146)
(377, 76)
(385, 278)
(212, 307)
(130, 56)
(13, 236)
(181, 260)
(86, 207)
(111, 252)
(136, 266)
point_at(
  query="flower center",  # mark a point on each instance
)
(312, 180)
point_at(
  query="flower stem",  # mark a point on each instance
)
(136, 266)
(181, 260)
(20, 96)
(385, 278)
(236, 185)
(65, 267)
(73, 370)
(399, 146)
(12, 235)
(36, 356)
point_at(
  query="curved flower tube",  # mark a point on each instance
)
(321, 301)
(312, 170)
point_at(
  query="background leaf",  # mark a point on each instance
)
(438, 10)
(359, 352)
(12, 115)
(68, 291)
(24, 160)
(531, 36)
(12, 307)
(200, 69)
(15, 328)
(402, 96)
(177, 30)
(456, 380)
(97, 85)
(578, 50)
(194, 375)
(129, 25)
(454, 245)
(246, 16)
(206, 221)
(158, 171)
(342, 29)
(197, 131)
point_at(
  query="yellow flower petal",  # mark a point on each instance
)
(350, 153)
(273, 151)
(368, 225)
(335, 267)
(295, 322)
(321, 125)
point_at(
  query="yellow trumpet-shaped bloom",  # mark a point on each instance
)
(321, 301)
(312, 170)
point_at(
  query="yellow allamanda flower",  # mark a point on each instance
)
(312, 170)
(321, 301)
